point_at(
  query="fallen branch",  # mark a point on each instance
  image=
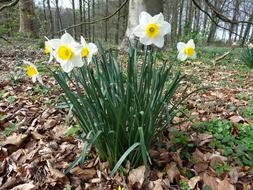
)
(6, 40)
(222, 57)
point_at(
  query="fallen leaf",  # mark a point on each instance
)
(136, 176)
(172, 171)
(225, 185)
(156, 185)
(210, 181)
(85, 174)
(233, 175)
(15, 139)
(193, 182)
(26, 186)
(236, 119)
(56, 174)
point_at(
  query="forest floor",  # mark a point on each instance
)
(213, 149)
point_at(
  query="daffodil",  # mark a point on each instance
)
(119, 188)
(88, 50)
(49, 50)
(250, 45)
(151, 30)
(186, 50)
(67, 52)
(32, 72)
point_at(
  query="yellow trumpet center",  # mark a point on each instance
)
(152, 30)
(64, 52)
(31, 71)
(189, 51)
(85, 52)
(47, 49)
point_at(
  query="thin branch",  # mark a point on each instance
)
(211, 18)
(95, 21)
(223, 17)
(9, 5)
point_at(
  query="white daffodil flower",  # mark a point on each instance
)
(67, 52)
(49, 50)
(32, 72)
(151, 30)
(250, 45)
(88, 50)
(186, 50)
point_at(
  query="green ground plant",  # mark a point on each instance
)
(237, 147)
(247, 57)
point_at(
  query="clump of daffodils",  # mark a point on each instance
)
(70, 53)
(186, 50)
(151, 30)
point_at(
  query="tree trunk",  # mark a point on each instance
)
(84, 20)
(180, 19)
(93, 25)
(45, 16)
(212, 31)
(51, 23)
(89, 25)
(232, 25)
(106, 21)
(205, 20)
(174, 21)
(197, 17)
(74, 18)
(247, 30)
(190, 15)
(26, 15)
(59, 21)
(135, 8)
(117, 25)
(81, 15)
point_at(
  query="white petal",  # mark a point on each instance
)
(67, 66)
(39, 79)
(30, 64)
(67, 38)
(144, 18)
(34, 78)
(83, 42)
(181, 46)
(51, 57)
(140, 30)
(54, 43)
(77, 60)
(190, 43)
(181, 56)
(157, 18)
(77, 49)
(158, 41)
(92, 48)
(89, 58)
(165, 28)
(62, 62)
(194, 55)
(145, 40)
